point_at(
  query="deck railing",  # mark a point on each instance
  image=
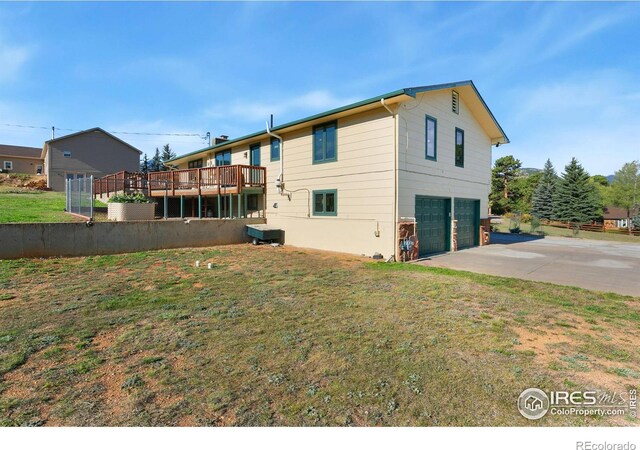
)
(220, 179)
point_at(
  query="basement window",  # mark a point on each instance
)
(8, 165)
(455, 102)
(325, 203)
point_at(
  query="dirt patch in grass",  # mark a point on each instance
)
(285, 336)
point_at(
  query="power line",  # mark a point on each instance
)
(113, 132)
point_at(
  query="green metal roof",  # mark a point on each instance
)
(413, 91)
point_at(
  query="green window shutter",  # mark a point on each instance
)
(325, 143)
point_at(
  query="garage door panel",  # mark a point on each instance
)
(467, 214)
(432, 215)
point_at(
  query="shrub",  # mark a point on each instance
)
(129, 198)
(526, 218)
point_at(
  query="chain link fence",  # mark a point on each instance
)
(80, 197)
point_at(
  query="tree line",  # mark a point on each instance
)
(573, 196)
(156, 163)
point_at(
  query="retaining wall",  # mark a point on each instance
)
(27, 240)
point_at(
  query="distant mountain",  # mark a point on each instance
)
(530, 170)
(610, 178)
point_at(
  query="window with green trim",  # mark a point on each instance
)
(223, 158)
(325, 203)
(431, 129)
(325, 143)
(459, 147)
(275, 149)
(195, 164)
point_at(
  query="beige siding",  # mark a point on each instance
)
(441, 178)
(364, 179)
(92, 153)
(363, 176)
(22, 165)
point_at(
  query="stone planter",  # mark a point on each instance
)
(130, 211)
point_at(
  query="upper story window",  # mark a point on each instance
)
(431, 130)
(223, 158)
(455, 102)
(325, 143)
(195, 164)
(459, 147)
(254, 155)
(67, 154)
(325, 202)
(275, 149)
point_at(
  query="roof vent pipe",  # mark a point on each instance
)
(279, 180)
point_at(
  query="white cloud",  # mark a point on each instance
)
(258, 111)
(592, 116)
(12, 59)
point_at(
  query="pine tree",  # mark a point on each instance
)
(144, 165)
(576, 200)
(542, 201)
(167, 153)
(156, 162)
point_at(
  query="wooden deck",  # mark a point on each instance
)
(205, 181)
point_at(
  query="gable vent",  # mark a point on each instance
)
(455, 102)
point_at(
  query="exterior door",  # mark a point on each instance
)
(467, 213)
(433, 222)
(254, 160)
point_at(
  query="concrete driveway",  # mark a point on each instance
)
(596, 265)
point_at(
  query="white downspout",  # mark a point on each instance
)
(279, 181)
(395, 175)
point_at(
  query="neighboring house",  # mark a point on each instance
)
(19, 159)
(615, 217)
(90, 152)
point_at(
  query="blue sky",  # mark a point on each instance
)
(562, 78)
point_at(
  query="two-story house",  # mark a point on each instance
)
(346, 179)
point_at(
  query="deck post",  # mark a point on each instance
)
(199, 206)
(166, 200)
(219, 206)
(182, 206)
(230, 206)
(240, 206)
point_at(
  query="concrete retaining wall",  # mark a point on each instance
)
(27, 240)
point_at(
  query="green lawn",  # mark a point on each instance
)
(26, 205)
(564, 232)
(283, 336)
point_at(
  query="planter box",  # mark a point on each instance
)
(130, 211)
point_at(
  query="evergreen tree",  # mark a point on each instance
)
(542, 201)
(167, 153)
(576, 200)
(144, 165)
(504, 171)
(156, 162)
